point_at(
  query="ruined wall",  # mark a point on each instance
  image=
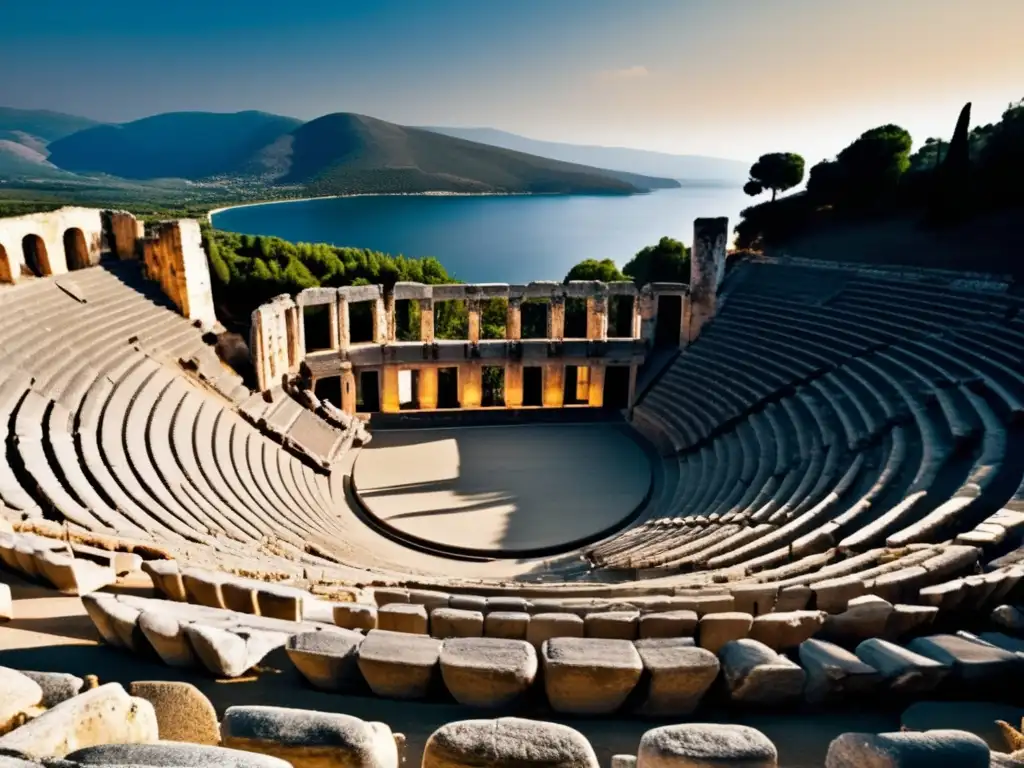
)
(707, 270)
(50, 243)
(125, 234)
(173, 255)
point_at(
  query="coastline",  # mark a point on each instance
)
(215, 211)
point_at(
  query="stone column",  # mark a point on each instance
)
(380, 322)
(582, 383)
(426, 387)
(554, 385)
(556, 318)
(597, 318)
(259, 349)
(707, 269)
(344, 333)
(514, 385)
(685, 322)
(470, 385)
(647, 317)
(333, 326)
(296, 337)
(631, 396)
(595, 394)
(514, 325)
(473, 305)
(427, 326)
(348, 389)
(389, 312)
(389, 389)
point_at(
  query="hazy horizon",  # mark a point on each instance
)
(724, 78)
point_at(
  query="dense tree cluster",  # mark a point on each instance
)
(978, 169)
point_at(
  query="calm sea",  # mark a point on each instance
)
(501, 239)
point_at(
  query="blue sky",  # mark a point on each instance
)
(732, 78)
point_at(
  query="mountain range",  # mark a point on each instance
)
(335, 154)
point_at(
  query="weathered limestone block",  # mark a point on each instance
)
(72, 576)
(680, 675)
(355, 616)
(623, 761)
(1008, 617)
(612, 625)
(328, 660)
(166, 635)
(945, 596)
(403, 617)
(241, 595)
(487, 671)
(588, 675)
(668, 624)
(204, 587)
(793, 598)
(166, 578)
(833, 595)
(864, 617)
(97, 607)
(508, 604)
(755, 599)
(310, 739)
(399, 665)
(6, 603)
(782, 631)
(281, 602)
(755, 674)
(454, 622)
(544, 626)
(429, 598)
(508, 742)
(166, 754)
(57, 686)
(103, 715)
(705, 604)
(183, 713)
(902, 670)
(18, 694)
(230, 653)
(511, 625)
(907, 749)
(124, 621)
(703, 745)
(974, 665)
(386, 595)
(717, 629)
(909, 620)
(833, 672)
(468, 603)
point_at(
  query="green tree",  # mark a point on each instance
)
(777, 171)
(666, 262)
(592, 269)
(872, 165)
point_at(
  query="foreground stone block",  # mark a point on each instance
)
(183, 713)
(717, 629)
(975, 666)
(103, 715)
(680, 675)
(241, 596)
(833, 672)
(793, 598)
(164, 755)
(230, 653)
(1009, 617)
(702, 745)
(166, 635)
(328, 660)
(56, 686)
(403, 617)
(784, 631)
(511, 625)
(309, 739)
(755, 674)
(544, 626)
(455, 622)
(864, 617)
(909, 620)
(612, 625)
(468, 603)
(908, 749)
(204, 587)
(18, 694)
(166, 578)
(902, 670)
(399, 665)
(355, 616)
(6, 604)
(668, 624)
(755, 599)
(280, 602)
(487, 671)
(589, 675)
(508, 742)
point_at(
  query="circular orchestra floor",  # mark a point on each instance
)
(503, 490)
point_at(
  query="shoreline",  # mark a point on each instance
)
(215, 211)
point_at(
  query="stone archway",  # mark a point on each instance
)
(75, 250)
(5, 266)
(36, 257)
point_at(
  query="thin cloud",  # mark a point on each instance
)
(636, 72)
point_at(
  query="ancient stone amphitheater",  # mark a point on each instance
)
(787, 485)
